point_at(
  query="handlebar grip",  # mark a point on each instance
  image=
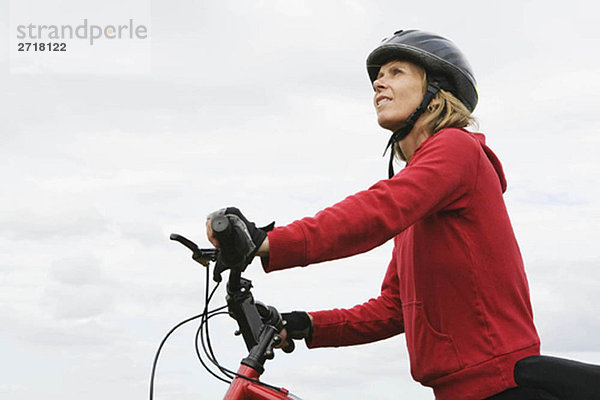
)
(231, 246)
(222, 230)
(290, 347)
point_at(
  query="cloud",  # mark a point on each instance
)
(565, 294)
(80, 289)
(78, 304)
(37, 225)
(78, 271)
(12, 390)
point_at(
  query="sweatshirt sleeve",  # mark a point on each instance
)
(439, 176)
(374, 320)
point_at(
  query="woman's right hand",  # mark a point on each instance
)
(256, 235)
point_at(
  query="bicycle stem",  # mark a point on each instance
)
(242, 308)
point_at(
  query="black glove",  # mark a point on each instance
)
(298, 325)
(248, 237)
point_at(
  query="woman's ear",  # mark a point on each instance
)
(434, 104)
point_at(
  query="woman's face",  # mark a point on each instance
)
(398, 92)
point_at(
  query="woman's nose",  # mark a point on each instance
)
(379, 84)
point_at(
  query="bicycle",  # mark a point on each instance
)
(260, 326)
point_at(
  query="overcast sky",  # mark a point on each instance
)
(266, 105)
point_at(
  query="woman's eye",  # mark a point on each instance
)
(397, 71)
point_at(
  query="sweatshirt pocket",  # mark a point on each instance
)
(432, 354)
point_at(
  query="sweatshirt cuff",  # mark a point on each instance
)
(287, 248)
(323, 329)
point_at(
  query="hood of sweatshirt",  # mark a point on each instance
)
(479, 137)
(493, 159)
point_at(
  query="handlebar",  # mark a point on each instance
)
(258, 324)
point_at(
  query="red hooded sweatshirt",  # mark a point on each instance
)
(456, 283)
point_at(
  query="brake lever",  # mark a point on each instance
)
(202, 256)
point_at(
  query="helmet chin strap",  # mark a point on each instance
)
(399, 134)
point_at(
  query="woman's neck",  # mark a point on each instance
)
(414, 139)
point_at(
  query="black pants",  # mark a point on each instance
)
(522, 393)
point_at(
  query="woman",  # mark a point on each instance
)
(455, 285)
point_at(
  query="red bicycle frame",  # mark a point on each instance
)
(245, 389)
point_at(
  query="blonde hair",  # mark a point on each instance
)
(444, 111)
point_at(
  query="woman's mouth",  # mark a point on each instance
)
(382, 100)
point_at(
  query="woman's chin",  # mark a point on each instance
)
(389, 125)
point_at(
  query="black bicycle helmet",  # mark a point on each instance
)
(439, 56)
(446, 67)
